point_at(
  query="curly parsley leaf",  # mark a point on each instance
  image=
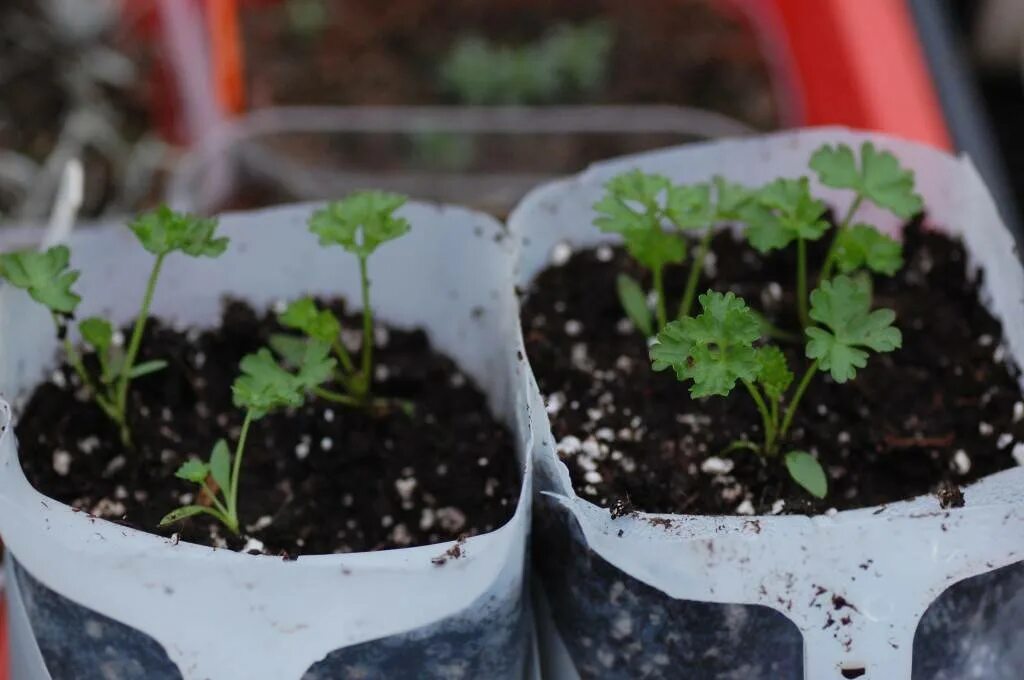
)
(880, 178)
(864, 247)
(732, 198)
(265, 386)
(361, 222)
(44, 275)
(807, 472)
(773, 371)
(713, 349)
(781, 212)
(843, 306)
(304, 315)
(689, 206)
(164, 231)
(632, 207)
(193, 470)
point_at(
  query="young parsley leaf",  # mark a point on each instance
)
(733, 198)
(773, 372)
(843, 306)
(713, 349)
(689, 206)
(304, 315)
(97, 332)
(163, 231)
(863, 246)
(265, 386)
(632, 207)
(193, 470)
(880, 177)
(44, 275)
(781, 212)
(361, 222)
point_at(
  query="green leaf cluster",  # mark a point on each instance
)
(46, 277)
(164, 231)
(361, 222)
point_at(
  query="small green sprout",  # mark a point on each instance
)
(263, 387)
(639, 207)
(718, 349)
(360, 224)
(47, 278)
(879, 179)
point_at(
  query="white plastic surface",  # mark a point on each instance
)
(918, 549)
(240, 616)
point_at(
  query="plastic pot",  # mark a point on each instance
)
(942, 595)
(90, 598)
(485, 157)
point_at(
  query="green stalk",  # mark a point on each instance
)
(343, 356)
(235, 472)
(75, 360)
(337, 397)
(367, 348)
(830, 257)
(695, 269)
(766, 416)
(801, 282)
(797, 396)
(659, 288)
(133, 350)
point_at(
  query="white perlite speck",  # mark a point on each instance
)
(985, 429)
(573, 328)
(1005, 439)
(593, 477)
(745, 508)
(326, 443)
(560, 253)
(302, 448)
(1018, 453)
(450, 519)
(717, 466)
(777, 506)
(61, 462)
(604, 253)
(555, 403)
(961, 462)
(253, 544)
(405, 487)
(568, 445)
(1018, 411)
(329, 415)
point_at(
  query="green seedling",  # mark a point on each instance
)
(263, 387)
(360, 224)
(48, 279)
(649, 212)
(720, 347)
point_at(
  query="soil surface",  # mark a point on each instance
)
(941, 412)
(320, 479)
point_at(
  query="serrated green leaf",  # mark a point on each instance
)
(655, 248)
(97, 332)
(863, 246)
(713, 349)
(807, 472)
(632, 207)
(317, 366)
(265, 386)
(289, 348)
(304, 315)
(146, 367)
(44, 275)
(193, 470)
(220, 465)
(781, 212)
(773, 371)
(843, 306)
(361, 222)
(184, 513)
(689, 206)
(732, 198)
(634, 302)
(164, 231)
(881, 179)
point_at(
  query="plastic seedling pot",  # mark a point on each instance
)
(485, 157)
(90, 596)
(661, 596)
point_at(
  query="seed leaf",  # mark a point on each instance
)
(807, 472)
(863, 246)
(304, 315)
(782, 211)
(220, 465)
(713, 349)
(146, 367)
(184, 513)
(843, 306)
(164, 231)
(193, 470)
(880, 178)
(633, 300)
(44, 275)
(361, 222)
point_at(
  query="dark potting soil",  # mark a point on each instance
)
(938, 414)
(319, 479)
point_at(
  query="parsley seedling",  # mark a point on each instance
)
(263, 387)
(360, 224)
(47, 278)
(648, 211)
(718, 348)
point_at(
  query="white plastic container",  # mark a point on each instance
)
(899, 591)
(91, 596)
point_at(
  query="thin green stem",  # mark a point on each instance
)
(695, 270)
(76, 363)
(235, 472)
(740, 445)
(801, 282)
(213, 498)
(659, 289)
(830, 257)
(766, 416)
(367, 349)
(338, 397)
(343, 356)
(797, 396)
(133, 350)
